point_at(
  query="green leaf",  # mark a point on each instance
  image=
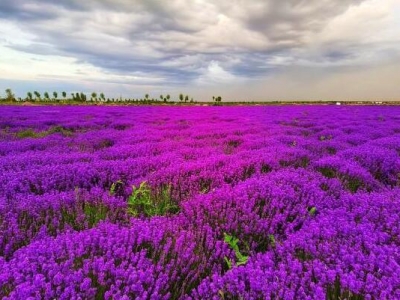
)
(233, 243)
(243, 261)
(272, 240)
(312, 211)
(228, 262)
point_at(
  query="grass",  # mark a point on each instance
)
(30, 133)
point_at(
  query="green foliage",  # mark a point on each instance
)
(10, 95)
(82, 97)
(351, 183)
(30, 133)
(94, 213)
(27, 133)
(58, 129)
(233, 244)
(335, 292)
(114, 186)
(302, 255)
(272, 240)
(312, 211)
(217, 99)
(325, 138)
(145, 202)
(37, 95)
(327, 172)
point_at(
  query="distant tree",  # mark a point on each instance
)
(46, 96)
(94, 96)
(37, 95)
(181, 97)
(30, 96)
(217, 99)
(168, 97)
(64, 94)
(146, 96)
(102, 96)
(191, 100)
(161, 97)
(10, 95)
(83, 97)
(55, 95)
(186, 98)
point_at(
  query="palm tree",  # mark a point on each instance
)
(64, 94)
(181, 97)
(29, 96)
(55, 95)
(46, 96)
(102, 96)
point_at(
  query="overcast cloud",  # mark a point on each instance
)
(242, 50)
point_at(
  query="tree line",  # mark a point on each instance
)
(94, 97)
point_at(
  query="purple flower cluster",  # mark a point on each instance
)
(312, 193)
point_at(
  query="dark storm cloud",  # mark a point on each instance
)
(175, 40)
(294, 16)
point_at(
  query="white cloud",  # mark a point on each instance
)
(214, 74)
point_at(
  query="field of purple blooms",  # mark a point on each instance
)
(268, 202)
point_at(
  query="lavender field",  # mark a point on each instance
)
(278, 202)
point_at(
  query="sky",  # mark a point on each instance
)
(251, 50)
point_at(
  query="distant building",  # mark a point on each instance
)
(338, 103)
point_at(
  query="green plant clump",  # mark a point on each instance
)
(233, 243)
(145, 202)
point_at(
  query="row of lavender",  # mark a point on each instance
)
(310, 193)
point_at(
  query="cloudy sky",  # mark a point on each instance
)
(239, 49)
